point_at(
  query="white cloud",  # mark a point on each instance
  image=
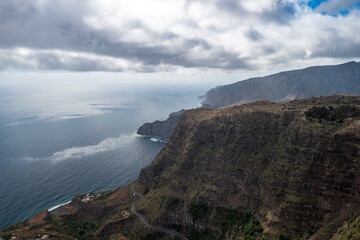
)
(56, 59)
(145, 36)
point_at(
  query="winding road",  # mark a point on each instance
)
(143, 219)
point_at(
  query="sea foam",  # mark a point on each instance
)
(108, 144)
(57, 206)
(156, 140)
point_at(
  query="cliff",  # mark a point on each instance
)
(161, 129)
(261, 170)
(290, 85)
(280, 87)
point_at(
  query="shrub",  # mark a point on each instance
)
(332, 114)
(199, 211)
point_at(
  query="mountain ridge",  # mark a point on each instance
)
(289, 85)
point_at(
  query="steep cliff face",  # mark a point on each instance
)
(297, 174)
(290, 85)
(161, 129)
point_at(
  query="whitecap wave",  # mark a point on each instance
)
(157, 140)
(57, 206)
(108, 144)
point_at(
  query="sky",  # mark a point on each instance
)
(177, 38)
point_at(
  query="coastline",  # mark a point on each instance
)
(57, 206)
(152, 138)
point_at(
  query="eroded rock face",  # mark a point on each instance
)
(295, 175)
(161, 129)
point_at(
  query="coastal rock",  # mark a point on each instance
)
(161, 129)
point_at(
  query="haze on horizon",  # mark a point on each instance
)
(162, 39)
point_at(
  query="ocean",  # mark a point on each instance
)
(59, 139)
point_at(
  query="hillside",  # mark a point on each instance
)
(261, 170)
(290, 85)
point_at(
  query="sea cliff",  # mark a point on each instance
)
(161, 129)
(287, 170)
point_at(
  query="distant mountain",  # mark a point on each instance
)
(290, 85)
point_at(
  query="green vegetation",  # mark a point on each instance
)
(332, 114)
(282, 237)
(173, 202)
(233, 218)
(231, 221)
(196, 235)
(79, 229)
(5, 237)
(239, 223)
(252, 229)
(350, 230)
(199, 211)
(11, 228)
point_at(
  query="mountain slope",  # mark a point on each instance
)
(292, 173)
(286, 86)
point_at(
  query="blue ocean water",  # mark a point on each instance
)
(59, 140)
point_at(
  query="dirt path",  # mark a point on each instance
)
(143, 219)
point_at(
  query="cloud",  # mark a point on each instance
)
(25, 58)
(335, 7)
(144, 36)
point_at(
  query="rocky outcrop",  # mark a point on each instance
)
(294, 172)
(287, 86)
(161, 129)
